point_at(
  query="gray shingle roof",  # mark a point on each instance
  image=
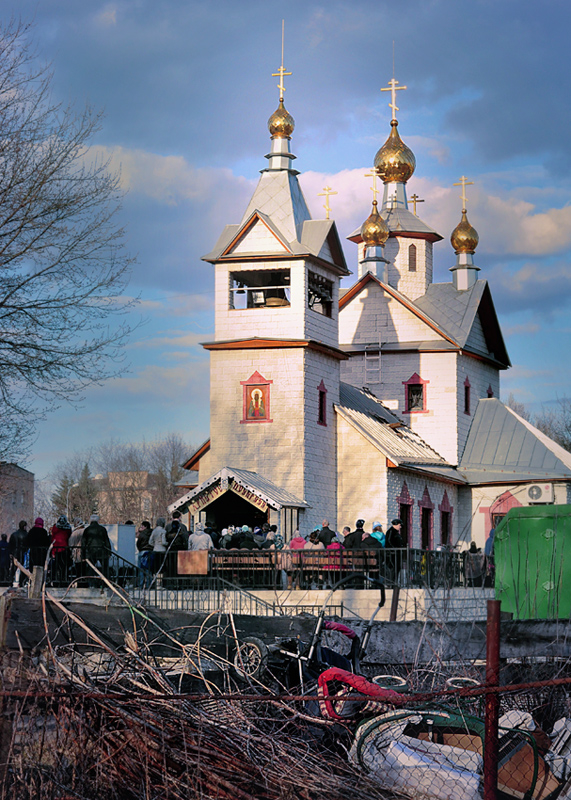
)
(401, 220)
(279, 201)
(501, 445)
(455, 312)
(401, 445)
(273, 495)
(452, 310)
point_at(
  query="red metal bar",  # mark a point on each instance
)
(492, 701)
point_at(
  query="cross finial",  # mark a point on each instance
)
(393, 88)
(416, 199)
(281, 71)
(327, 190)
(463, 183)
(373, 188)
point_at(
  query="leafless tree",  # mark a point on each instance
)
(130, 480)
(555, 422)
(518, 407)
(62, 260)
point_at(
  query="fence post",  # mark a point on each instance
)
(394, 603)
(492, 701)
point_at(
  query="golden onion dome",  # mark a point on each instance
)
(281, 123)
(464, 237)
(374, 229)
(395, 161)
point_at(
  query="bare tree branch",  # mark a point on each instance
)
(62, 260)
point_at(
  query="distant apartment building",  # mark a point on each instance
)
(16, 496)
(135, 495)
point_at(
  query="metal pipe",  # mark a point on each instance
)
(492, 701)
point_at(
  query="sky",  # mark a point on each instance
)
(187, 88)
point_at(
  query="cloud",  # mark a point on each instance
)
(107, 17)
(168, 383)
(526, 328)
(529, 287)
(170, 180)
(175, 339)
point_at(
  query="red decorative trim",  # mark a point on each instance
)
(429, 237)
(256, 399)
(244, 230)
(194, 461)
(322, 405)
(445, 504)
(500, 506)
(271, 344)
(467, 397)
(415, 379)
(404, 498)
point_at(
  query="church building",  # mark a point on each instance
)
(373, 402)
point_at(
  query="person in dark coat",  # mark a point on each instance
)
(38, 542)
(95, 545)
(144, 554)
(19, 547)
(354, 539)
(326, 535)
(394, 542)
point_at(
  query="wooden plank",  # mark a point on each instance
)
(192, 562)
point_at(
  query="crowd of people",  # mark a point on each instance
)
(63, 550)
(71, 548)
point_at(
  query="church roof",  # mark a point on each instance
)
(455, 312)
(273, 495)
(401, 221)
(399, 443)
(502, 446)
(300, 236)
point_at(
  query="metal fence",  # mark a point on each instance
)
(277, 570)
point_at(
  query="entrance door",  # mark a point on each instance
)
(426, 528)
(404, 516)
(231, 509)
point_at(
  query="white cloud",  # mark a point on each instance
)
(169, 180)
(107, 17)
(507, 224)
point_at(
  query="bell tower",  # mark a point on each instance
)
(275, 357)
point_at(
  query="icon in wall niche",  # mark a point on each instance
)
(256, 399)
(257, 405)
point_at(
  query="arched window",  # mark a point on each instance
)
(412, 258)
(466, 396)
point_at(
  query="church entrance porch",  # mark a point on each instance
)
(231, 509)
(240, 497)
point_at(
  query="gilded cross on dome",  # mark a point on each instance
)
(463, 183)
(393, 88)
(373, 188)
(327, 190)
(416, 199)
(281, 73)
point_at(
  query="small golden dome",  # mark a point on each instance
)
(395, 161)
(464, 237)
(281, 123)
(374, 229)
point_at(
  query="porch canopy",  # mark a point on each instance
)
(240, 497)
